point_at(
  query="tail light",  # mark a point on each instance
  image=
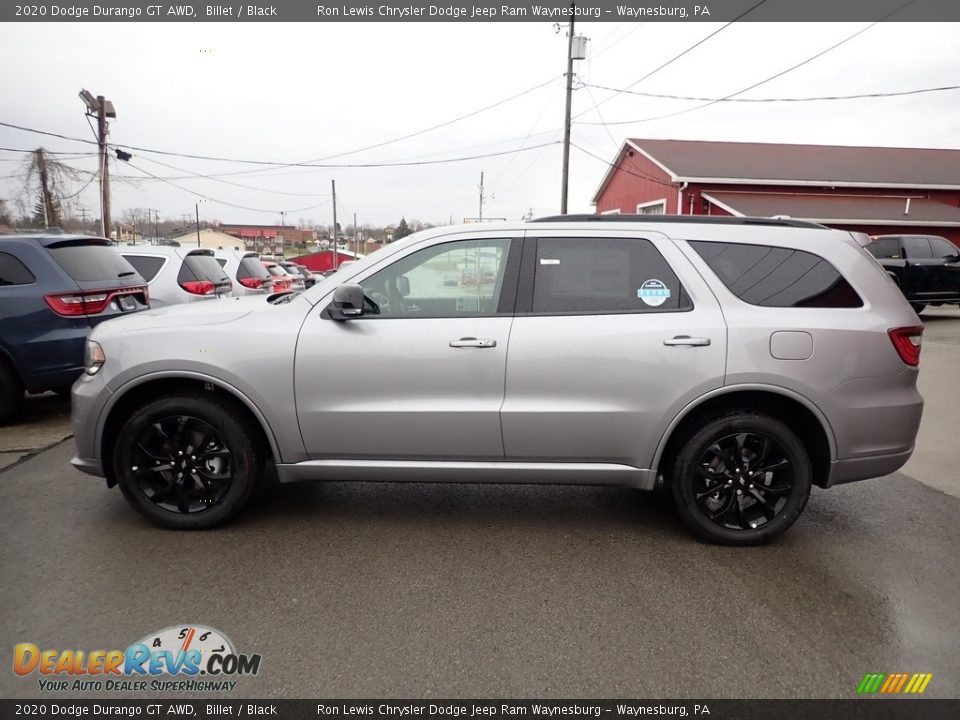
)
(907, 341)
(199, 287)
(252, 283)
(91, 302)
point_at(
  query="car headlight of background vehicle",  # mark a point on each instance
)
(94, 357)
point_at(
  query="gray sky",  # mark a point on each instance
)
(297, 92)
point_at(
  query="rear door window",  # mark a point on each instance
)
(146, 265)
(201, 267)
(943, 248)
(885, 248)
(251, 267)
(604, 275)
(87, 263)
(776, 276)
(13, 272)
(917, 248)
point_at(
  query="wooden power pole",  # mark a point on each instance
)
(104, 166)
(333, 188)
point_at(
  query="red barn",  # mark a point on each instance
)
(323, 261)
(876, 190)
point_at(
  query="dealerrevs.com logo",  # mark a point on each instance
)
(199, 658)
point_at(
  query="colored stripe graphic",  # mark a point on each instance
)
(894, 683)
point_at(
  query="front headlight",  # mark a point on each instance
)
(94, 357)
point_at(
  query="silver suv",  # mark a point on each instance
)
(733, 362)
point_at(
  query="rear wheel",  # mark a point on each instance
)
(742, 479)
(11, 393)
(188, 463)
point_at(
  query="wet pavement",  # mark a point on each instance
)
(492, 591)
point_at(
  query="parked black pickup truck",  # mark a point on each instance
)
(926, 267)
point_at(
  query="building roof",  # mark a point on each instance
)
(785, 164)
(209, 239)
(835, 209)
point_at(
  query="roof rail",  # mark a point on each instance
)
(696, 219)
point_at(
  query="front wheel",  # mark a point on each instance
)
(188, 462)
(742, 479)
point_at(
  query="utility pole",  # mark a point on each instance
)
(104, 166)
(566, 118)
(49, 210)
(156, 219)
(333, 189)
(198, 224)
(280, 239)
(481, 196)
(101, 108)
(356, 237)
(83, 217)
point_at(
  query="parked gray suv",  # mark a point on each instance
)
(735, 362)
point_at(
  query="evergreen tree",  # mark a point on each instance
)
(402, 230)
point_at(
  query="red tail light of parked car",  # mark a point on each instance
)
(91, 302)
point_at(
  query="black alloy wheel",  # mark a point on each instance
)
(742, 479)
(182, 464)
(189, 462)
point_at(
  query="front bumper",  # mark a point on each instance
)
(88, 399)
(90, 466)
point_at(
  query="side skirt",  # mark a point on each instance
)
(468, 472)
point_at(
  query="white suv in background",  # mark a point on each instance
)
(245, 270)
(178, 275)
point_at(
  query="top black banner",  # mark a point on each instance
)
(463, 11)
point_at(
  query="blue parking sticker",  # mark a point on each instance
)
(654, 293)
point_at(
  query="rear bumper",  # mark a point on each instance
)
(864, 468)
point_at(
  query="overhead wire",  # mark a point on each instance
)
(858, 96)
(765, 80)
(681, 54)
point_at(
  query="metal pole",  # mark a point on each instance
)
(156, 220)
(566, 120)
(356, 238)
(105, 225)
(198, 224)
(481, 197)
(333, 187)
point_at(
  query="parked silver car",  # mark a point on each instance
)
(245, 271)
(735, 361)
(177, 275)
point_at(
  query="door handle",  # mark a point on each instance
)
(686, 340)
(472, 342)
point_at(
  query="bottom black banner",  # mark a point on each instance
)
(868, 709)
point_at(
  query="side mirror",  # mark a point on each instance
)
(347, 302)
(403, 285)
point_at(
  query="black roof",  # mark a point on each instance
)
(57, 238)
(685, 219)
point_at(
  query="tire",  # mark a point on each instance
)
(918, 307)
(167, 478)
(11, 393)
(747, 509)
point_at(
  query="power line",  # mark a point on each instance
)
(899, 93)
(199, 176)
(680, 55)
(765, 80)
(222, 202)
(437, 126)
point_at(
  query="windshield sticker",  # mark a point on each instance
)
(654, 293)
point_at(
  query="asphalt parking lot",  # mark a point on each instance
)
(491, 591)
